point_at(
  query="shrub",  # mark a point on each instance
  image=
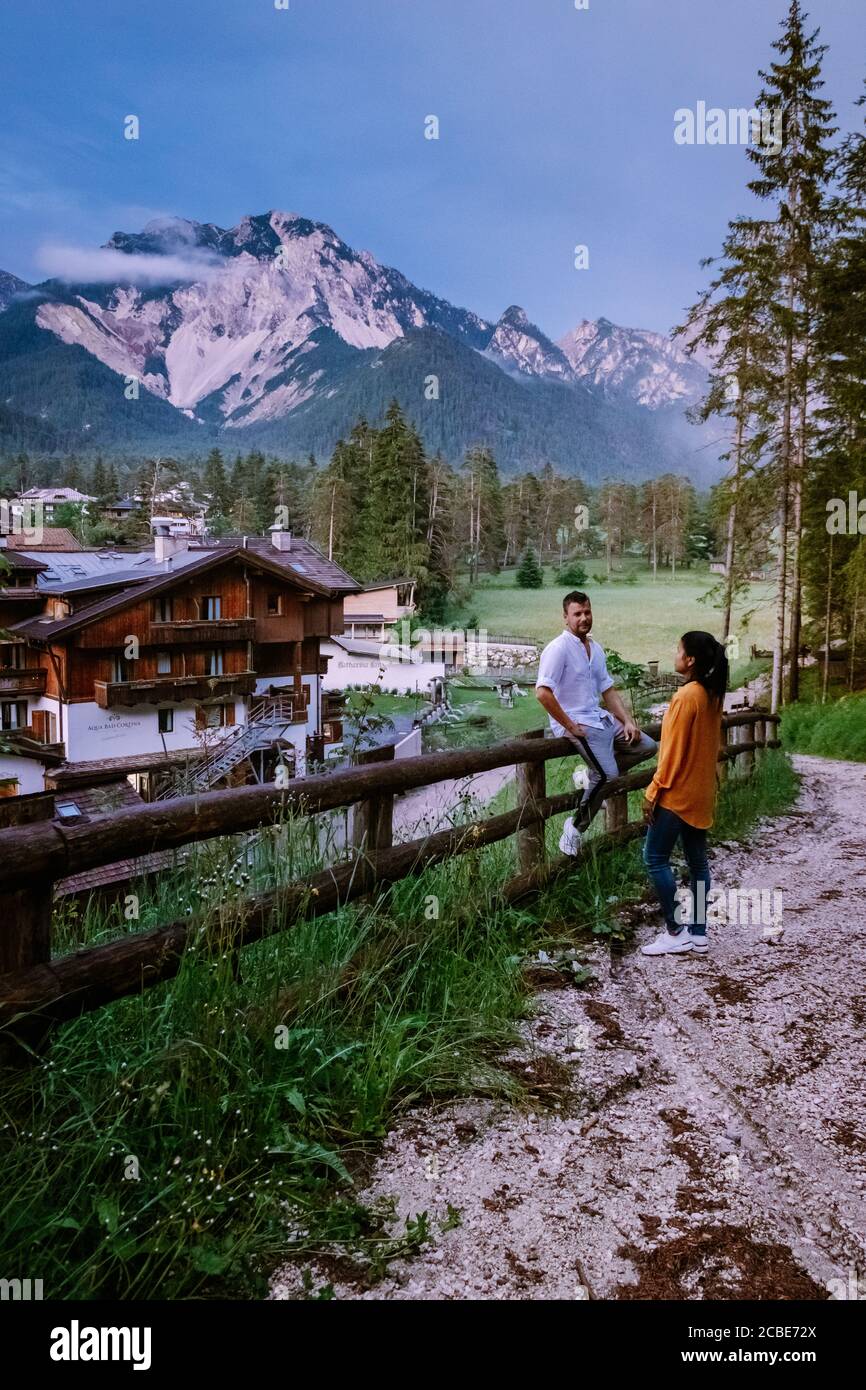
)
(572, 575)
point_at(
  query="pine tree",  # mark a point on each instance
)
(529, 574)
(99, 488)
(793, 174)
(835, 564)
(484, 508)
(331, 512)
(216, 485)
(731, 323)
(395, 515)
(72, 476)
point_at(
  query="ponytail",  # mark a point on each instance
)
(711, 663)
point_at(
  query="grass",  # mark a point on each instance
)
(834, 730)
(642, 621)
(180, 1143)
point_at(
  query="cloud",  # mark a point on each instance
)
(104, 265)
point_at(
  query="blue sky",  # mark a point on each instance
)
(556, 128)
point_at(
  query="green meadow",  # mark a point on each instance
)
(642, 620)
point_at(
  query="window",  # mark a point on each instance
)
(211, 608)
(163, 663)
(214, 716)
(213, 663)
(275, 605)
(13, 714)
(163, 609)
(67, 810)
(119, 670)
(166, 720)
(44, 726)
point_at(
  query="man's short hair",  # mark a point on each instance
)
(576, 596)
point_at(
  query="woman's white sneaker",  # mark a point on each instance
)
(668, 944)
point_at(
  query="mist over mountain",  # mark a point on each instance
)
(276, 333)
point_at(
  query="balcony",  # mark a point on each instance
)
(281, 627)
(281, 708)
(209, 630)
(173, 690)
(333, 705)
(26, 739)
(27, 682)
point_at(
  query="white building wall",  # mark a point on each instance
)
(29, 772)
(345, 668)
(91, 732)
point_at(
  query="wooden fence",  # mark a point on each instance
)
(37, 991)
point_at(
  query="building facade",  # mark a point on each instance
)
(209, 653)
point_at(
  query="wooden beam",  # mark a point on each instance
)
(49, 850)
(47, 992)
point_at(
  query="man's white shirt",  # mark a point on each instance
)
(578, 681)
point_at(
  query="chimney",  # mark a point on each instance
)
(165, 545)
(280, 539)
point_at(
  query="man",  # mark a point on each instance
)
(572, 677)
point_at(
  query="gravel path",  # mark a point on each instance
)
(698, 1126)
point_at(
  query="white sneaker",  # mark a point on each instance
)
(700, 945)
(666, 944)
(570, 839)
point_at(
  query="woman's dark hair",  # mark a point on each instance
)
(711, 663)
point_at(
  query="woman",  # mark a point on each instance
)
(680, 799)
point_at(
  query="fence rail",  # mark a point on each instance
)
(36, 991)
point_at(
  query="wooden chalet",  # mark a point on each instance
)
(174, 651)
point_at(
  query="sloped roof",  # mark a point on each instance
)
(53, 538)
(305, 559)
(54, 494)
(19, 561)
(39, 628)
(385, 584)
(104, 800)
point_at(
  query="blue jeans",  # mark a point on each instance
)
(661, 837)
(608, 754)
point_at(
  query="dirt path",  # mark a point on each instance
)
(700, 1124)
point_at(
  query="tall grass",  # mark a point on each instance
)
(834, 730)
(176, 1144)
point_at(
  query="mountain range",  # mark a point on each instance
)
(277, 334)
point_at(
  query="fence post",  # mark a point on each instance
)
(747, 735)
(616, 811)
(723, 744)
(760, 737)
(25, 933)
(373, 819)
(531, 788)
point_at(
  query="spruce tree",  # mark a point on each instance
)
(396, 510)
(732, 324)
(216, 484)
(792, 175)
(529, 574)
